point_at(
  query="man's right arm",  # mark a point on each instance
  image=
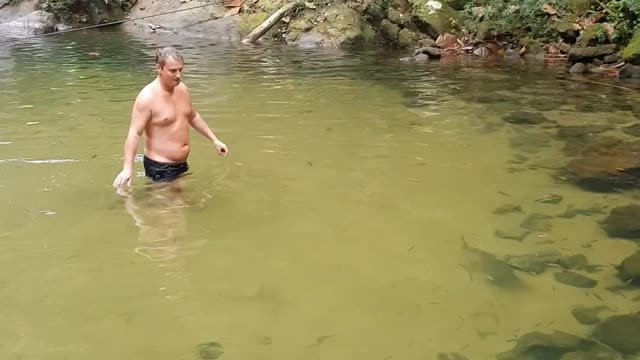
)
(140, 116)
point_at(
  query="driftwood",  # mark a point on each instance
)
(256, 33)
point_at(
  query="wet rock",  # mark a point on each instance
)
(389, 31)
(623, 222)
(512, 234)
(421, 58)
(573, 131)
(434, 20)
(578, 68)
(507, 208)
(343, 27)
(621, 332)
(550, 199)
(589, 35)
(407, 38)
(631, 52)
(606, 173)
(633, 130)
(629, 268)
(588, 54)
(537, 222)
(574, 279)
(481, 51)
(534, 263)
(525, 118)
(210, 350)
(432, 52)
(588, 315)
(629, 71)
(541, 346)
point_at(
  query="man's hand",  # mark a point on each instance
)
(221, 147)
(122, 178)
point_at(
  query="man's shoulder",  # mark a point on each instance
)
(146, 94)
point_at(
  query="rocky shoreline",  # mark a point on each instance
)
(425, 29)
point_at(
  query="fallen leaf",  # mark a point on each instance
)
(233, 3)
(447, 41)
(232, 11)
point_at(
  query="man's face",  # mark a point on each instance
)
(171, 72)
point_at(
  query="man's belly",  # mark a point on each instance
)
(167, 151)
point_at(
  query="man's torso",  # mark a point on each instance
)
(168, 129)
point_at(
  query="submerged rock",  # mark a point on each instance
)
(495, 270)
(525, 118)
(572, 212)
(209, 351)
(432, 52)
(623, 222)
(633, 130)
(588, 315)
(574, 279)
(578, 68)
(629, 268)
(572, 131)
(451, 356)
(537, 222)
(534, 263)
(621, 332)
(555, 346)
(507, 208)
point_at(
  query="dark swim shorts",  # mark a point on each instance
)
(163, 172)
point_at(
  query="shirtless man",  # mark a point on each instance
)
(163, 112)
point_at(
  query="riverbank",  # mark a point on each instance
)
(592, 37)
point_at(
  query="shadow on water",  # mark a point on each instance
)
(352, 179)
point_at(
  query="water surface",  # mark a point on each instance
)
(332, 230)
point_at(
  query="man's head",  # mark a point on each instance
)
(169, 64)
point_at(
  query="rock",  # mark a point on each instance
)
(389, 31)
(406, 38)
(611, 59)
(588, 315)
(605, 172)
(540, 346)
(565, 27)
(574, 279)
(584, 355)
(210, 350)
(432, 52)
(512, 234)
(511, 54)
(421, 58)
(100, 11)
(574, 262)
(434, 18)
(631, 53)
(343, 28)
(507, 208)
(579, 7)
(481, 51)
(537, 222)
(525, 118)
(451, 356)
(489, 266)
(587, 54)
(621, 332)
(35, 23)
(629, 71)
(398, 18)
(571, 212)
(623, 222)
(578, 68)
(629, 268)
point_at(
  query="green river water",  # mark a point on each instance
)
(331, 231)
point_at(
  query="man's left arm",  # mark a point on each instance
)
(198, 123)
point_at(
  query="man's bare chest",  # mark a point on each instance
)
(170, 112)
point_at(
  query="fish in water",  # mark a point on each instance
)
(495, 270)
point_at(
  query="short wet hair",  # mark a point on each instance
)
(164, 53)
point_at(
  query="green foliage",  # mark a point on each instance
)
(376, 10)
(624, 15)
(63, 8)
(513, 17)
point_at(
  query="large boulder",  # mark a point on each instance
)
(631, 53)
(36, 23)
(587, 54)
(342, 27)
(621, 332)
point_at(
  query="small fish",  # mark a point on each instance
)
(497, 271)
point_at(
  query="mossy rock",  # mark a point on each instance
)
(249, 22)
(592, 35)
(389, 31)
(631, 53)
(270, 6)
(407, 38)
(301, 24)
(343, 27)
(579, 7)
(437, 22)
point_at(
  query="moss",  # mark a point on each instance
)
(566, 23)
(249, 22)
(368, 34)
(406, 38)
(343, 26)
(591, 35)
(438, 21)
(270, 5)
(632, 52)
(579, 7)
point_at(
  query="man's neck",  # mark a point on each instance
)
(167, 89)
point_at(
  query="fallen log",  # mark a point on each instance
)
(262, 29)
